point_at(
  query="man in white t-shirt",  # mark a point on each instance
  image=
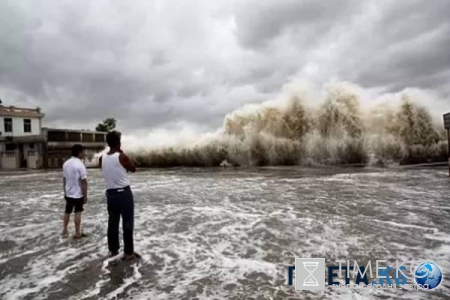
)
(75, 188)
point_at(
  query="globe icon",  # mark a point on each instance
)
(428, 275)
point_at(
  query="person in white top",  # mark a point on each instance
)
(115, 164)
(75, 188)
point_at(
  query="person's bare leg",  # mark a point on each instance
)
(78, 225)
(66, 224)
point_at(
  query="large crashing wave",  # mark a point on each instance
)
(291, 131)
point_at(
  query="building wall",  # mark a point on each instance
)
(56, 158)
(18, 127)
(34, 161)
(33, 156)
(10, 160)
(51, 149)
(2, 149)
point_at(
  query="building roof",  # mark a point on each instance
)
(13, 111)
(73, 130)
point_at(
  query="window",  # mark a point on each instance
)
(7, 122)
(27, 125)
(31, 145)
(10, 147)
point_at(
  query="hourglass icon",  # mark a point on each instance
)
(310, 274)
(310, 280)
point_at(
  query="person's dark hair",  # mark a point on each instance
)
(113, 138)
(77, 149)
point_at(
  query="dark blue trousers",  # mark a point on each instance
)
(120, 204)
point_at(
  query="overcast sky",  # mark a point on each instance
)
(166, 65)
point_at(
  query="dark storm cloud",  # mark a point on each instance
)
(259, 22)
(373, 43)
(411, 47)
(81, 70)
(152, 64)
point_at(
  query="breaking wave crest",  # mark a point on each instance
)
(337, 127)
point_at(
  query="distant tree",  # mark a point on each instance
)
(107, 125)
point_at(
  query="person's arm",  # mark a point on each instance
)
(83, 182)
(100, 162)
(84, 188)
(126, 162)
(64, 186)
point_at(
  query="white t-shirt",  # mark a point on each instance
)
(74, 171)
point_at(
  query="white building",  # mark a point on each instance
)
(21, 138)
(25, 144)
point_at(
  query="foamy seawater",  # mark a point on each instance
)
(224, 234)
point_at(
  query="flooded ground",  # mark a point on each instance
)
(224, 234)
